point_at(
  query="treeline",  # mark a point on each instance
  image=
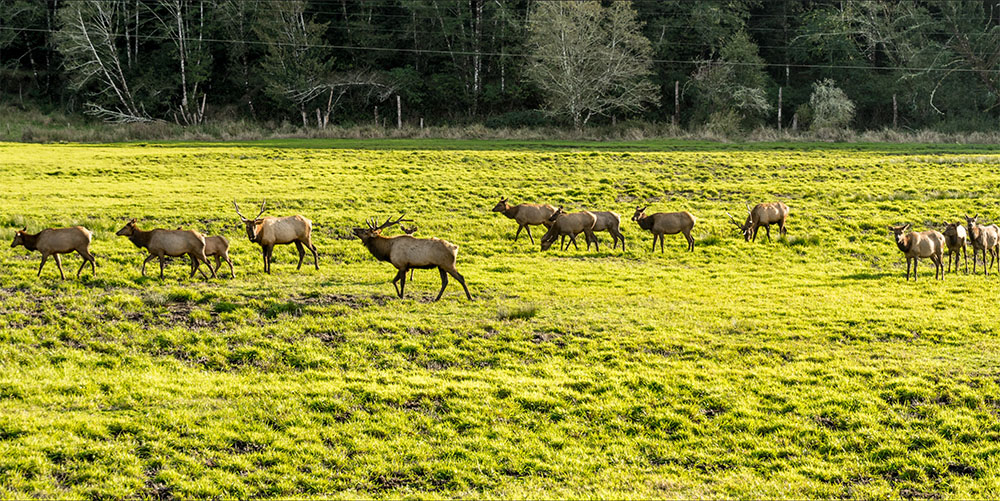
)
(730, 65)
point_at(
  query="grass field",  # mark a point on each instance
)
(806, 367)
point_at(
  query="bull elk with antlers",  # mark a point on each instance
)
(765, 215)
(55, 241)
(406, 253)
(270, 231)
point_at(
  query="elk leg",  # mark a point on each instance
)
(395, 280)
(63, 275)
(458, 276)
(597, 245)
(907, 269)
(781, 227)
(84, 263)
(218, 263)
(87, 257)
(148, 259)
(661, 244)
(623, 240)
(268, 254)
(690, 240)
(232, 274)
(572, 239)
(194, 266)
(315, 254)
(654, 242)
(44, 258)
(562, 241)
(402, 282)
(162, 259)
(966, 256)
(302, 254)
(519, 228)
(528, 229)
(444, 282)
(767, 228)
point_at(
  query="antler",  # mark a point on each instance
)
(244, 218)
(733, 219)
(388, 222)
(409, 231)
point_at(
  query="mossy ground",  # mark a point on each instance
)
(806, 367)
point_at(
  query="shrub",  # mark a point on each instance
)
(830, 106)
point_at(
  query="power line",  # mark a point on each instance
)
(524, 55)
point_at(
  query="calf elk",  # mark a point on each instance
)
(55, 241)
(917, 245)
(985, 239)
(610, 222)
(570, 224)
(762, 215)
(955, 237)
(219, 248)
(406, 253)
(271, 231)
(666, 223)
(526, 215)
(162, 243)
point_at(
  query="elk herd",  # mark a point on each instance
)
(407, 253)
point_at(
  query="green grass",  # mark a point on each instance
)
(802, 368)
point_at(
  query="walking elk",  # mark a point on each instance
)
(162, 243)
(764, 214)
(55, 241)
(406, 253)
(526, 215)
(666, 223)
(571, 225)
(917, 245)
(270, 231)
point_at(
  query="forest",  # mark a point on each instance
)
(727, 66)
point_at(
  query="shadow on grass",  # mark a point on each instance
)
(869, 276)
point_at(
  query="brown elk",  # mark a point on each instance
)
(406, 253)
(526, 215)
(271, 231)
(55, 241)
(610, 222)
(163, 243)
(765, 215)
(570, 224)
(666, 223)
(915, 245)
(985, 239)
(218, 247)
(955, 237)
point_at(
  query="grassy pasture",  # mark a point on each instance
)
(802, 368)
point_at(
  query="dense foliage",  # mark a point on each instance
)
(316, 62)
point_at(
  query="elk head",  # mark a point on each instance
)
(19, 237)
(501, 205)
(747, 227)
(555, 215)
(252, 225)
(373, 231)
(639, 213)
(897, 232)
(128, 229)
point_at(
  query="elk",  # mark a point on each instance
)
(762, 215)
(570, 224)
(610, 222)
(406, 253)
(666, 223)
(526, 215)
(271, 231)
(219, 248)
(55, 241)
(955, 237)
(162, 243)
(915, 245)
(984, 239)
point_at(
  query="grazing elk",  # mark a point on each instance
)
(526, 215)
(406, 253)
(55, 241)
(985, 239)
(219, 248)
(955, 237)
(762, 215)
(917, 245)
(271, 231)
(571, 225)
(666, 223)
(162, 243)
